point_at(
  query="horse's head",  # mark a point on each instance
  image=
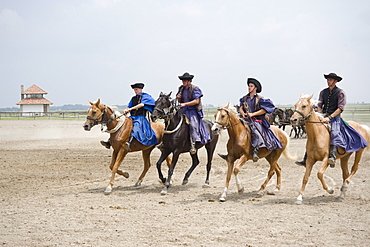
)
(162, 107)
(222, 118)
(303, 109)
(94, 115)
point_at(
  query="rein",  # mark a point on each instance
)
(305, 117)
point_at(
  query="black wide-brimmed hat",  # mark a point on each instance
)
(256, 83)
(333, 76)
(137, 85)
(186, 76)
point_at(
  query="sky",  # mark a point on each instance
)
(88, 49)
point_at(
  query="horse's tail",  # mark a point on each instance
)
(367, 137)
(286, 151)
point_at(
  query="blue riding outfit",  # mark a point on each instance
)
(141, 129)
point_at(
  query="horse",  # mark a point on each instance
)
(298, 127)
(119, 127)
(176, 139)
(317, 146)
(239, 146)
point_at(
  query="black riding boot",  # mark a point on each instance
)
(106, 144)
(128, 144)
(303, 162)
(332, 156)
(255, 155)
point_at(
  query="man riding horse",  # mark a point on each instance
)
(189, 97)
(253, 108)
(138, 107)
(331, 103)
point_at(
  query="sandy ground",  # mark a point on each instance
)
(53, 174)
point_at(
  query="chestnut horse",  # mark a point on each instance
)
(317, 146)
(239, 146)
(119, 127)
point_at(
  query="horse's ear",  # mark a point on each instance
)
(98, 102)
(219, 106)
(310, 97)
(227, 106)
(168, 95)
(161, 94)
(91, 103)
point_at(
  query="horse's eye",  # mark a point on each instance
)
(94, 112)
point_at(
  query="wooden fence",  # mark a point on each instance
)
(358, 114)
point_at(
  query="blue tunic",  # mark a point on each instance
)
(345, 136)
(141, 129)
(198, 131)
(262, 135)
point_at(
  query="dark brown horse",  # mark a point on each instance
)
(176, 139)
(317, 146)
(119, 126)
(239, 146)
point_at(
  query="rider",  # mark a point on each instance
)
(138, 107)
(253, 108)
(189, 97)
(331, 103)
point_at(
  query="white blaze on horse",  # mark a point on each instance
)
(119, 127)
(317, 146)
(239, 146)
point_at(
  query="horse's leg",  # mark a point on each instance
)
(146, 159)
(240, 163)
(230, 166)
(354, 168)
(320, 175)
(175, 158)
(194, 163)
(271, 158)
(164, 156)
(345, 175)
(210, 147)
(309, 166)
(114, 167)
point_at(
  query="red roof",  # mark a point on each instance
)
(34, 90)
(34, 101)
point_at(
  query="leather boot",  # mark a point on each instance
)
(255, 155)
(332, 156)
(303, 162)
(128, 144)
(105, 144)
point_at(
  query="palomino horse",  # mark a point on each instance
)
(176, 139)
(317, 146)
(120, 128)
(239, 146)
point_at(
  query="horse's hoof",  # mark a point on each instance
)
(126, 175)
(206, 185)
(330, 190)
(164, 191)
(185, 182)
(108, 190)
(260, 192)
(222, 199)
(138, 183)
(241, 190)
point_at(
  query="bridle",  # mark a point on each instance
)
(168, 113)
(103, 116)
(305, 117)
(224, 126)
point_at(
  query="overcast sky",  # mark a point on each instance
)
(89, 49)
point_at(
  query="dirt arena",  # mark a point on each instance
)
(53, 175)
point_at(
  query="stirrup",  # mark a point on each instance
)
(193, 150)
(127, 146)
(255, 158)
